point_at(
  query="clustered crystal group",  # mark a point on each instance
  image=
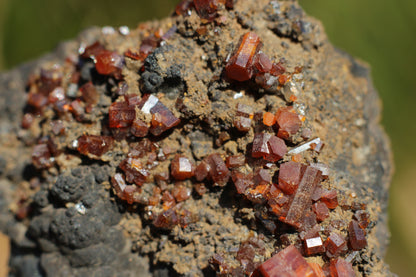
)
(297, 198)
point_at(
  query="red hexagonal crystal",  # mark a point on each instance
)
(181, 193)
(335, 244)
(218, 172)
(341, 268)
(182, 168)
(239, 67)
(302, 199)
(356, 235)
(329, 197)
(121, 115)
(207, 9)
(277, 149)
(162, 118)
(312, 242)
(321, 211)
(262, 177)
(108, 62)
(242, 181)
(136, 172)
(242, 124)
(290, 174)
(262, 63)
(268, 147)
(95, 145)
(288, 122)
(288, 262)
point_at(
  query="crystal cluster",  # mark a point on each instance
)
(290, 193)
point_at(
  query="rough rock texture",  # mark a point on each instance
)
(71, 223)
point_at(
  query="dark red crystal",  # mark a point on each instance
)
(335, 244)
(341, 268)
(121, 115)
(262, 63)
(139, 128)
(95, 145)
(356, 235)
(240, 65)
(108, 62)
(288, 262)
(218, 172)
(302, 200)
(262, 177)
(288, 122)
(207, 9)
(41, 156)
(321, 211)
(290, 174)
(182, 168)
(329, 197)
(162, 118)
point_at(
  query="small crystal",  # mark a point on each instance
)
(107, 62)
(218, 172)
(329, 197)
(269, 119)
(182, 168)
(335, 245)
(321, 211)
(162, 118)
(290, 174)
(239, 67)
(356, 236)
(303, 147)
(262, 177)
(288, 262)
(243, 124)
(41, 156)
(339, 267)
(181, 193)
(95, 145)
(288, 123)
(121, 115)
(206, 9)
(262, 63)
(242, 181)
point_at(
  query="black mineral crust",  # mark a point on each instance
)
(66, 217)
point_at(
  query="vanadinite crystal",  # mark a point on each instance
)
(341, 268)
(268, 147)
(107, 62)
(239, 67)
(207, 9)
(288, 262)
(335, 244)
(302, 200)
(95, 145)
(121, 115)
(182, 168)
(162, 118)
(290, 174)
(288, 123)
(356, 236)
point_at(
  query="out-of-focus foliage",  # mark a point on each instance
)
(381, 32)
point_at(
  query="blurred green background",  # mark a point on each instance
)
(381, 32)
